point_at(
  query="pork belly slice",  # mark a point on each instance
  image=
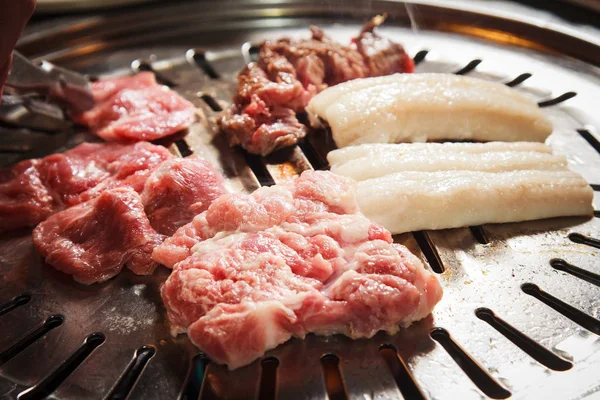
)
(410, 187)
(309, 196)
(94, 240)
(290, 72)
(322, 268)
(136, 109)
(32, 190)
(178, 190)
(375, 160)
(427, 107)
(411, 201)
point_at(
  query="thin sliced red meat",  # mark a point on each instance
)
(32, 190)
(106, 88)
(94, 240)
(178, 190)
(288, 260)
(24, 199)
(148, 113)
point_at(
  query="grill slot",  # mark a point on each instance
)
(479, 234)
(211, 102)
(588, 322)
(469, 67)
(564, 266)
(591, 139)
(183, 147)
(145, 65)
(420, 56)
(557, 100)
(404, 380)
(52, 322)
(519, 79)
(474, 371)
(131, 375)
(267, 389)
(195, 377)
(18, 301)
(334, 382)
(525, 343)
(199, 58)
(53, 381)
(430, 251)
(586, 240)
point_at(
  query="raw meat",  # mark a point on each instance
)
(375, 160)
(305, 262)
(94, 240)
(178, 190)
(310, 195)
(32, 190)
(136, 109)
(451, 185)
(24, 199)
(289, 73)
(427, 107)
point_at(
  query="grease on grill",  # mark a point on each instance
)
(52, 322)
(557, 100)
(429, 251)
(469, 67)
(132, 373)
(51, 382)
(336, 389)
(519, 79)
(579, 317)
(17, 301)
(404, 379)
(267, 389)
(562, 265)
(479, 234)
(582, 239)
(591, 139)
(474, 371)
(199, 57)
(524, 342)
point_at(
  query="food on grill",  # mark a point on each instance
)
(178, 190)
(32, 190)
(427, 107)
(375, 160)
(136, 108)
(451, 185)
(289, 72)
(266, 207)
(94, 240)
(292, 259)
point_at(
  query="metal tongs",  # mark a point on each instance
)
(41, 96)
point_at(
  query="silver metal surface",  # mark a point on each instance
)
(128, 309)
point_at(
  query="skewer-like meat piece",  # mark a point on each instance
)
(427, 107)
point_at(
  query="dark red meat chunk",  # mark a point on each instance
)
(289, 73)
(94, 240)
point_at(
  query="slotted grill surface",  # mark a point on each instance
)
(520, 310)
